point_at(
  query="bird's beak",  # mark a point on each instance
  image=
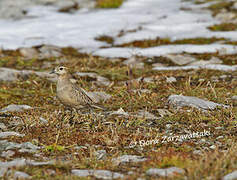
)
(52, 72)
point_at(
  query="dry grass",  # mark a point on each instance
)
(62, 134)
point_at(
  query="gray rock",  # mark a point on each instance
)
(168, 126)
(180, 59)
(7, 154)
(5, 145)
(119, 112)
(15, 108)
(159, 65)
(231, 176)
(100, 154)
(34, 163)
(43, 121)
(220, 137)
(66, 6)
(87, 4)
(48, 51)
(164, 112)
(144, 114)
(234, 98)
(212, 147)
(219, 67)
(10, 133)
(99, 80)
(213, 60)
(171, 80)
(164, 172)
(7, 74)
(82, 172)
(128, 159)
(28, 53)
(145, 79)
(19, 175)
(105, 174)
(3, 126)
(198, 152)
(29, 145)
(190, 101)
(100, 174)
(14, 163)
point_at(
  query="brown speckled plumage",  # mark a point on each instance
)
(69, 93)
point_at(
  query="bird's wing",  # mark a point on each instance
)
(81, 95)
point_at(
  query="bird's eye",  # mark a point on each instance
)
(61, 68)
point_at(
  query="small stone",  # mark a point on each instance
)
(19, 175)
(119, 112)
(14, 163)
(3, 126)
(34, 163)
(48, 51)
(198, 152)
(190, 101)
(164, 112)
(164, 172)
(220, 137)
(7, 74)
(159, 65)
(212, 147)
(7, 154)
(128, 159)
(180, 59)
(28, 53)
(80, 147)
(100, 174)
(168, 126)
(144, 114)
(213, 60)
(10, 133)
(15, 108)
(171, 80)
(219, 128)
(66, 6)
(202, 141)
(231, 176)
(100, 154)
(105, 174)
(234, 98)
(43, 121)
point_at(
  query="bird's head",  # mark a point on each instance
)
(60, 70)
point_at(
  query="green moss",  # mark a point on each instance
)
(108, 3)
(223, 27)
(104, 38)
(217, 7)
(166, 41)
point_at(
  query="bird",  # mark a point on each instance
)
(69, 93)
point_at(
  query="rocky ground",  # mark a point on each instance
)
(167, 117)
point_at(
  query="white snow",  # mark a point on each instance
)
(161, 50)
(157, 18)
